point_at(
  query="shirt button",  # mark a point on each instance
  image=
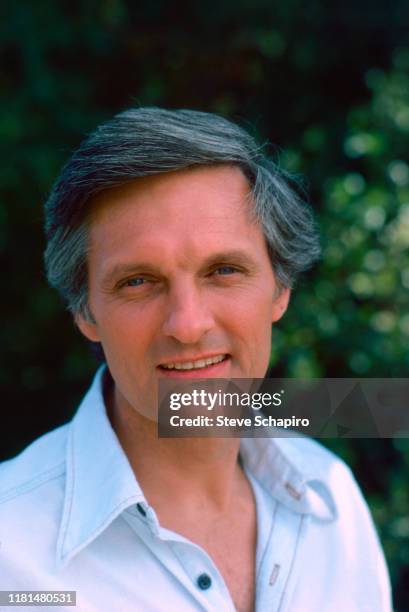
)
(141, 509)
(204, 582)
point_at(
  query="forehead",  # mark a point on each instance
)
(225, 185)
(187, 211)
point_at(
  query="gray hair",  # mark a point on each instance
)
(147, 141)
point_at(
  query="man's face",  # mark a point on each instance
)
(180, 274)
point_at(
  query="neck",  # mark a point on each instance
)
(201, 470)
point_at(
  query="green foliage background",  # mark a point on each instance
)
(327, 83)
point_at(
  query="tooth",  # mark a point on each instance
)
(191, 365)
(216, 359)
(184, 366)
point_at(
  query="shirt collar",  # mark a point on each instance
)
(291, 470)
(100, 483)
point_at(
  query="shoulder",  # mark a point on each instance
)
(41, 462)
(32, 489)
(350, 539)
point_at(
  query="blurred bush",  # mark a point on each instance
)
(327, 85)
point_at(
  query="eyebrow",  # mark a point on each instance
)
(121, 270)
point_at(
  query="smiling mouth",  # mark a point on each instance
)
(198, 364)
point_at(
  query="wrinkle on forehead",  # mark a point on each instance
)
(154, 186)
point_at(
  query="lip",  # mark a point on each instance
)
(214, 370)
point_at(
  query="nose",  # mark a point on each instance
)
(187, 316)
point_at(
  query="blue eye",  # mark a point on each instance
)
(224, 270)
(134, 282)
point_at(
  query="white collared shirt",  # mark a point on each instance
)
(73, 517)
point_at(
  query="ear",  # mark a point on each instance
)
(88, 328)
(280, 304)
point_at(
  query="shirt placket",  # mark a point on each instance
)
(187, 562)
(279, 560)
(203, 574)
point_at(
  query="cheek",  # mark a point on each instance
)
(254, 313)
(130, 336)
(251, 322)
(120, 340)
(122, 322)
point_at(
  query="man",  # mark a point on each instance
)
(175, 243)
